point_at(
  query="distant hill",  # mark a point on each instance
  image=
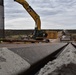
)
(22, 32)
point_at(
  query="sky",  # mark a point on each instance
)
(54, 14)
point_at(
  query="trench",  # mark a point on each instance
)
(38, 65)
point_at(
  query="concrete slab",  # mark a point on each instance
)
(11, 63)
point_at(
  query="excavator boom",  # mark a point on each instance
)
(38, 34)
(33, 14)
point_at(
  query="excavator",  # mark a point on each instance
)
(38, 34)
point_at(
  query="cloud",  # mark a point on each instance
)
(56, 14)
(21, 23)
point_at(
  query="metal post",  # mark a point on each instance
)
(2, 33)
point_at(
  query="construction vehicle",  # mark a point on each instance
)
(38, 33)
(65, 36)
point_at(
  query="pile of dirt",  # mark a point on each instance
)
(69, 69)
(65, 64)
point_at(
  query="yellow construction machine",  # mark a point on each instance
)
(38, 34)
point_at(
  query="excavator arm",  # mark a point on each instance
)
(38, 34)
(33, 14)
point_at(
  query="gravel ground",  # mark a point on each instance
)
(13, 45)
(65, 64)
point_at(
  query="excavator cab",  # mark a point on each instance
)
(39, 34)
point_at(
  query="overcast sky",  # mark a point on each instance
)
(54, 14)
